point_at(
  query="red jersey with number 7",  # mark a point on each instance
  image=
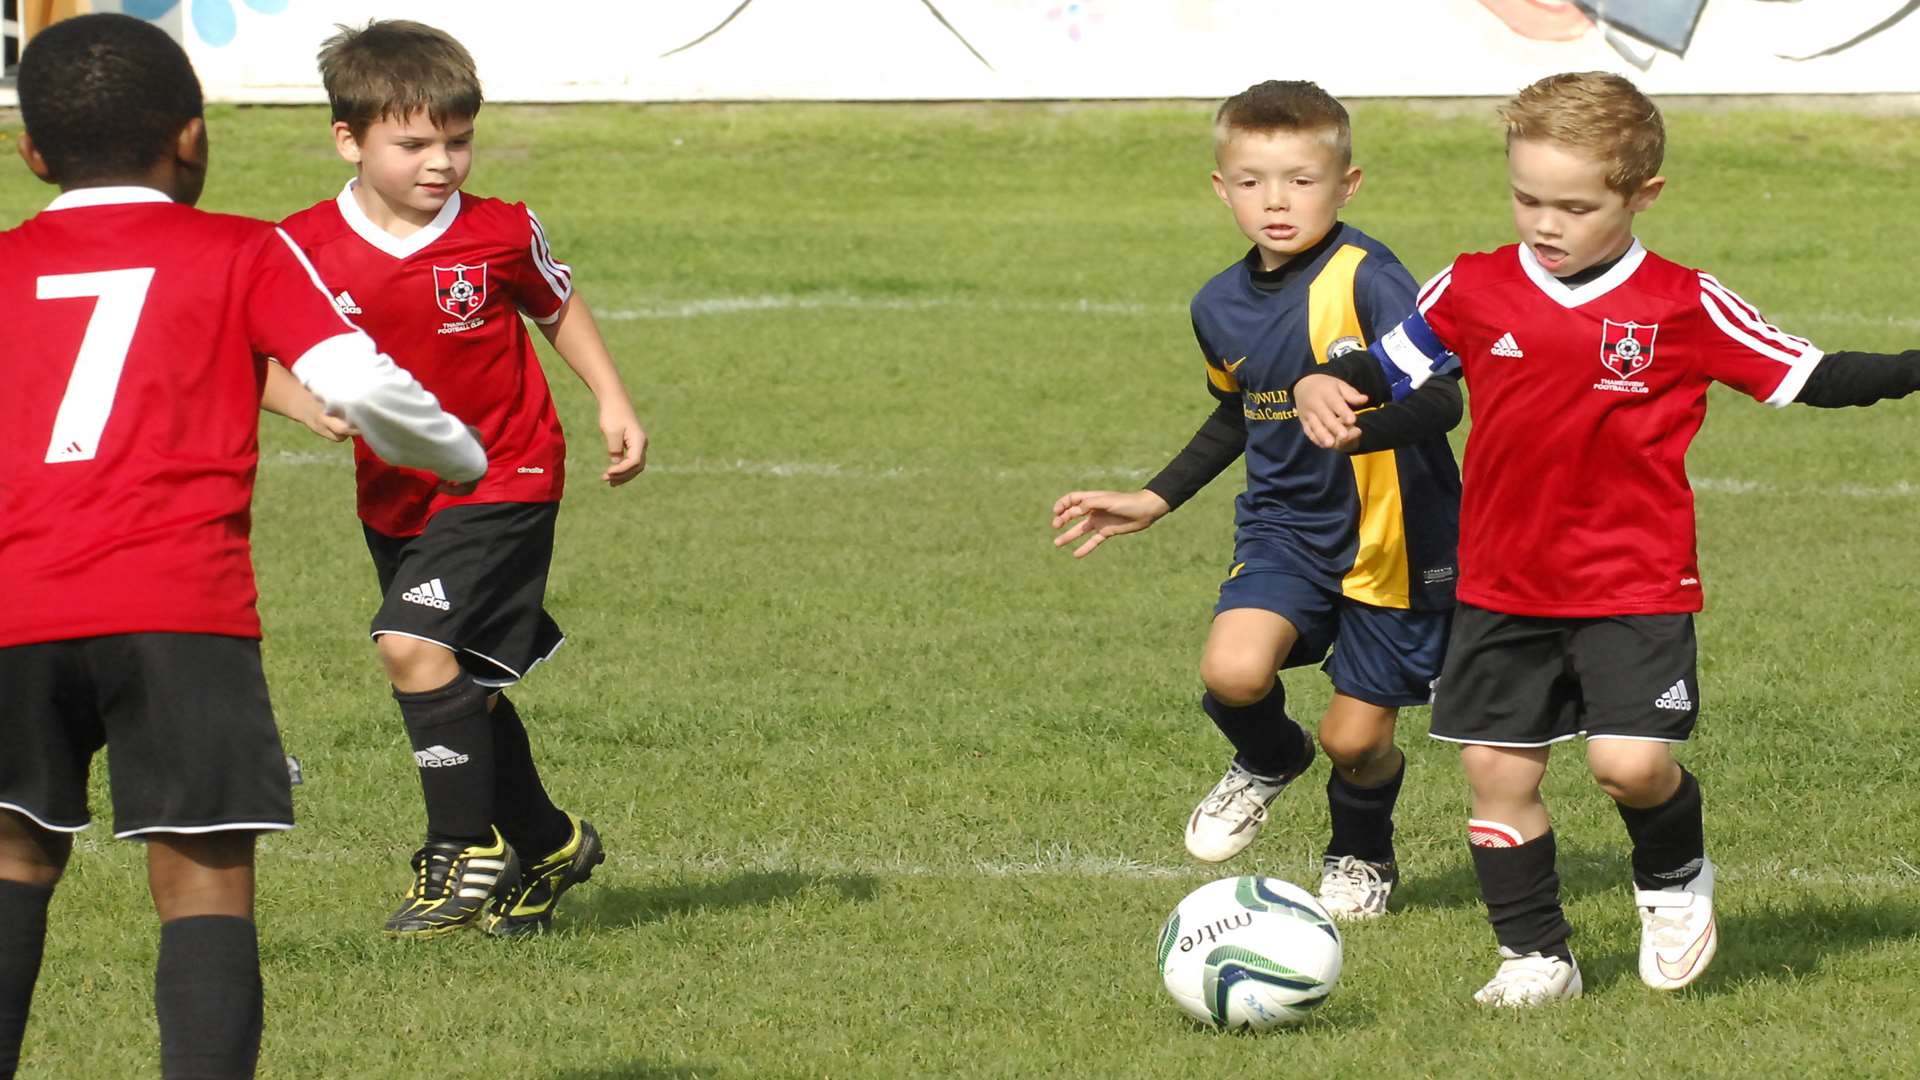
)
(446, 303)
(132, 359)
(1575, 501)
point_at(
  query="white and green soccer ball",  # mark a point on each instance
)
(1249, 953)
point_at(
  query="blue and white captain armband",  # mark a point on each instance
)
(1410, 354)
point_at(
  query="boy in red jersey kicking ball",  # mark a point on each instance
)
(130, 377)
(447, 276)
(1588, 358)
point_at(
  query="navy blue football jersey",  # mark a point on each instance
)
(1379, 528)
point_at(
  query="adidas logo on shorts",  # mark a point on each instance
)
(438, 757)
(1675, 698)
(428, 594)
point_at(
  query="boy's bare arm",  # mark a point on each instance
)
(576, 337)
(284, 396)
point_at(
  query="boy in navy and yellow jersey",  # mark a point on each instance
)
(1354, 547)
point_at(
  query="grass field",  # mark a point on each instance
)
(892, 788)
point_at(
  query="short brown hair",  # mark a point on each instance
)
(1286, 105)
(1596, 113)
(393, 68)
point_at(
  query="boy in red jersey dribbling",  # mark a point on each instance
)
(448, 276)
(1588, 360)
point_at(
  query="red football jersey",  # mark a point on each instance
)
(1575, 498)
(134, 353)
(445, 303)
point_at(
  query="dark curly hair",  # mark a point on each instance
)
(104, 96)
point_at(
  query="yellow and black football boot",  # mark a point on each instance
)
(528, 907)
(452, 885)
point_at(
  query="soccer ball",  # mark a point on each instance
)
(1249, 953)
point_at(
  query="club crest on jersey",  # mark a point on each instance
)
(1626, 349)
(460, 290)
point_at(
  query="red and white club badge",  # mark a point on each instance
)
(1626, 349)
(460, 290)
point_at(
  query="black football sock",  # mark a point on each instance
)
(1522, 892)
(23, 939)
(521, 807)
(1266, 741)
(1363, 816)
(1669, 840)
(452, 738)
(206, 990)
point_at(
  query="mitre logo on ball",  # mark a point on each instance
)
(1626, 349)
(461, 290)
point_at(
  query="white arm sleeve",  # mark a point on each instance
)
(400, 420)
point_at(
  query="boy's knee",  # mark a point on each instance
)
(414, 665)
(1640, 783)
(1356, 749)
(1235, 681)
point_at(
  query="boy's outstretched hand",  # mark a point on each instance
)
(1102, 514)
(1326, 407)
(626, 443)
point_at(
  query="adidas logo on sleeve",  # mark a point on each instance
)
(428, 594)
(1675, 698)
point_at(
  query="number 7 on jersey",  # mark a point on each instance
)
(88, 402)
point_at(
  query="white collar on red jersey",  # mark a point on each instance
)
(397, 246)
(1592, 290)
(106, 196)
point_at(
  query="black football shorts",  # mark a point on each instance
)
(475, 582)
(1519, 680)
(191, 744)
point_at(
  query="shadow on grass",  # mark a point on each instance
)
(1779, 943)
(624, 906)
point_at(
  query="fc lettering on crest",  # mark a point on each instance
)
(1626, 349)
(460, 290)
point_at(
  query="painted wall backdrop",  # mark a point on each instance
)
(675, 50)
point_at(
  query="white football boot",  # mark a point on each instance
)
(1529, 980)
(1228, 819)
(1678, 933)
(1353, 888)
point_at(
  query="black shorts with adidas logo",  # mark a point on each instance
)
(1521, 680)
(474, 581)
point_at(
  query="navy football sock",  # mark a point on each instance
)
(206, 990)
(1669, 840)
(1363, 816)
(452, 738)
(521, 807)
(23, 938)
(1267, 742)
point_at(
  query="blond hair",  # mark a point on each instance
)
(390, 69)
(1597, 114)
(1286, 105)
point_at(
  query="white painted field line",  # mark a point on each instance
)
(1062, 860)
(748, 305)
(832, 470)
(708, 307)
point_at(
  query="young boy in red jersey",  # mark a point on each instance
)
(131, 381)
(1588, 358)
(447, 276)
(1331, 551)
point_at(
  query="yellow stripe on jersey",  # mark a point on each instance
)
(1220, 374)
(1379, 574)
